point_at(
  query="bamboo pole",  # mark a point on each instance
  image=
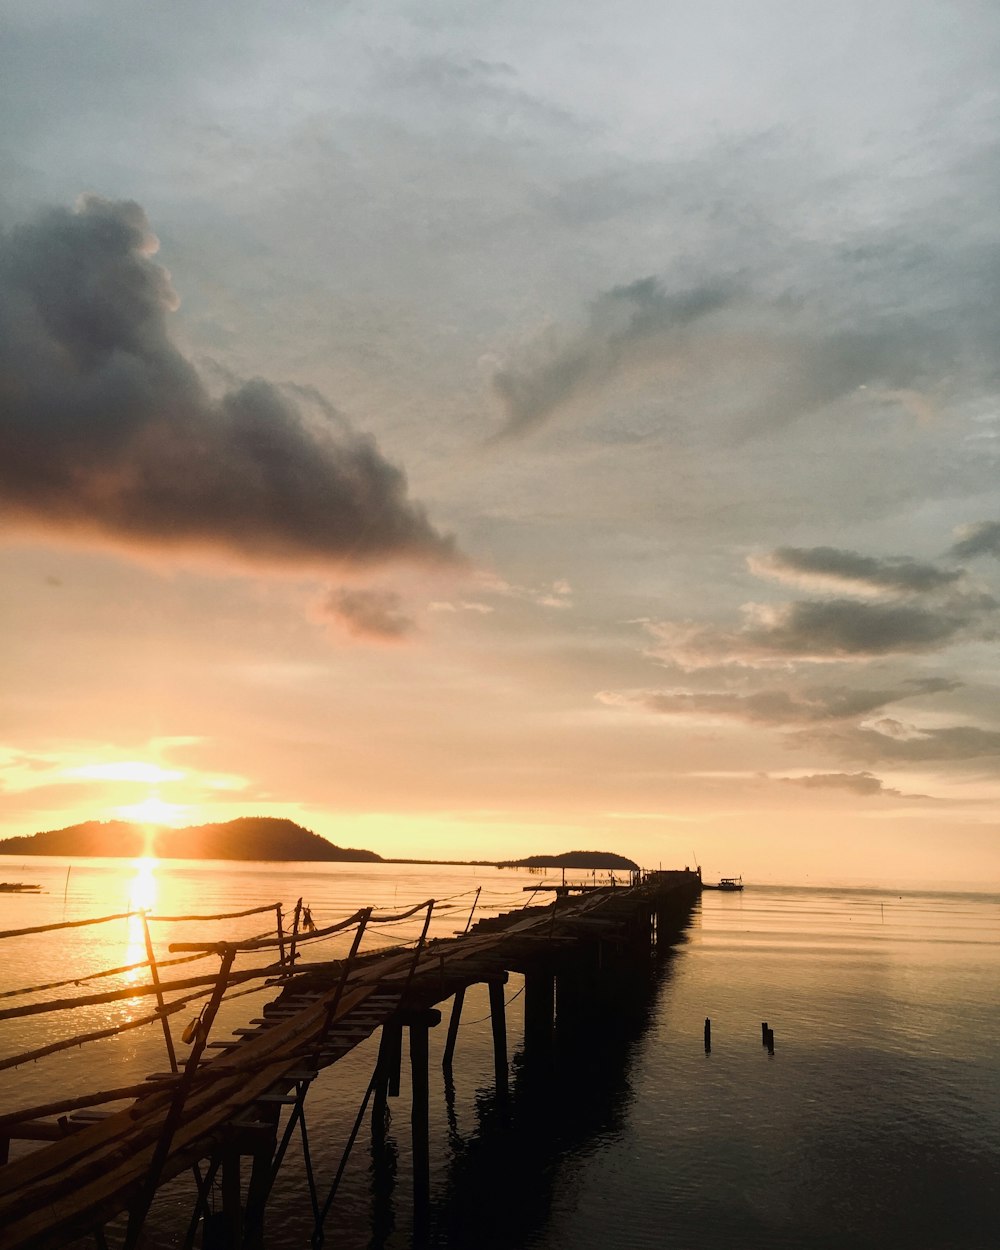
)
(155, 975)
(137, 1216)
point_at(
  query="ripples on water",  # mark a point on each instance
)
(876, 1123)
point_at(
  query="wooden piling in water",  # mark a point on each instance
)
(498, 1018)
(420, 1123)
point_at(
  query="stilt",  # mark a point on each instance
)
(258, 1189)
(453, 1023)
(387, 1075)
(499, 1021)
(420, 1126)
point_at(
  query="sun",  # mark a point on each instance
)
(153, 810)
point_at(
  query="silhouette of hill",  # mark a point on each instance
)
(603, 860)
(248, 838)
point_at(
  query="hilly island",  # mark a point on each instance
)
(249, 838)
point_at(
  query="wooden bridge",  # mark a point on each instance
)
(237, 1103)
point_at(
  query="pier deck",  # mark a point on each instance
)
(227, 1101)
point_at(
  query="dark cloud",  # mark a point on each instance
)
(623, 322)
(981, 539)
(892, 741)
(368, 613)
(849, 569)
(825, 630)
(107, 431)
(782, 707)
(855, 783)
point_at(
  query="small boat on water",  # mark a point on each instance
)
(726, 883)
(18, 887)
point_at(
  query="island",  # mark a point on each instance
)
(246, 838)
(257, 838)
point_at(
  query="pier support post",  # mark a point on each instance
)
(498, 1018)
(453, 1023)
(539, 1011)
(387, 1078)
(420, 1125)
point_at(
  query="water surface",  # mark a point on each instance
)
(876, 1122)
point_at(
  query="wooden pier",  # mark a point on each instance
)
(233, 1108)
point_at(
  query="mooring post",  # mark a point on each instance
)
(763, 1032)
(499, 1020)
(770, 1041)
(453, 1023)
(708, 1036)
(420, 1124)
(539, 1011)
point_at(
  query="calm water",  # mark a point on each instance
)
(876, 1123)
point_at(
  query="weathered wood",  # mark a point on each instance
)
(420, 1126)
(453, 1023)
(499, 1023)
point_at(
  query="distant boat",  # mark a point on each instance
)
(16, 887)
(726, 883)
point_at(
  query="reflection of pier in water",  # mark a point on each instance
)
(563, 1099)
(589, 978)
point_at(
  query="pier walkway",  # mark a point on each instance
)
(242, 1099)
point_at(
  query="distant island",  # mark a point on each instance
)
(255, 838)
(247, 838)
(603, 860)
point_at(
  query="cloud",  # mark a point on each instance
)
(823, 631)
(892, 741)
(779, 707)
(368, 613)
(848, 570)
(624, 322)
(855, 783)
(980, 539)
(108, 433)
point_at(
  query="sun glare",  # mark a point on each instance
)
(141, 897)
(154, 811)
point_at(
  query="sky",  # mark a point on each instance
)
(480, 429)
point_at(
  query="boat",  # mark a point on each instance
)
(16, 887)
(726, 883)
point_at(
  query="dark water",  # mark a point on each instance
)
(875, 1123)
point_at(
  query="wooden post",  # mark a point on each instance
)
(292, 956)
(453, 1023)
(386, 1074)
(420, 1125)
(155, 975)
(708, 1036)
(770, 1041)
(499, 1021)
(260, 1184)
(472, 913)
(175, 1112)
(763, 1032)
(539, 1008)
(281, 933)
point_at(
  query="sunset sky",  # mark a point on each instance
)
(476, 429)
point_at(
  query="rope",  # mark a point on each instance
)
(94, 976)
(482, 1019)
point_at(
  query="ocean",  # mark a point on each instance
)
(875, 1122)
